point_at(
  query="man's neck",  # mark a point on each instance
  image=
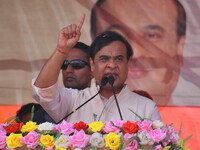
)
(107, 93)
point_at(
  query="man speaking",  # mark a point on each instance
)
(109, 55)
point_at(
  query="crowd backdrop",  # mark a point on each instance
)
(28, 36)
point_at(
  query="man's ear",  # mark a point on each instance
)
(181, 44)
(91, 64)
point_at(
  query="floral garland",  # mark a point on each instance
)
(114, 135)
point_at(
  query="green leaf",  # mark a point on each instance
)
(92, 147)
(187, 138)
(117, 127)
(141, 119)
(95, 116)
(32, 112)
(103, 111)
(180, 129)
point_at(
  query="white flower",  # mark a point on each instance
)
(97, 140)
(62, 141)
(77, 149)
(157, 124)
(176, 136)
(45, 126)
(145, 138)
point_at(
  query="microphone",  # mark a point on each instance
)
(111, 81)
(104, 81)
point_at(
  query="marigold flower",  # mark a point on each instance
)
(29, 126)
(112, 141)
(96, 126)
(13, 140)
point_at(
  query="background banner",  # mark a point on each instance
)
(166, 57)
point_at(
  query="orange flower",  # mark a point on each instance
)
(12, 128)
(130, 127)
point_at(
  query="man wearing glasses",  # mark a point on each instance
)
(76, 75)
(76, 69)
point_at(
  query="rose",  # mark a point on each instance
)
(65, 127)
(79, 139)
(158, 147)
(29, 126)
(112, 141)
(96, 126)
(157, 135)
(14, 127)
(46, 141)
(110, 128)
(45, 126)
(133, 145)
(157, 124)
(2, 141)
(80, 125)
(96, 140)
(60, 148)
(145, 125)
(62, 141)
(144, 138)
(31, 139)
(49, 148)
(13, 140)
(130, 127)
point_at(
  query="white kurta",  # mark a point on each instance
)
(58, 102)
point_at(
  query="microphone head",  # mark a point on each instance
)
(111, 80)
(104, 81)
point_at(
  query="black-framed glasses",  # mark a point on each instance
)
(75, 64)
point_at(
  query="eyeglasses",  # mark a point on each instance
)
(75, 64)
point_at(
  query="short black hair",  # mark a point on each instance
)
(25, 109)
(181, 19)
(82, 46)
(106, 38)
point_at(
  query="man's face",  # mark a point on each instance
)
(77, 78)
(150, 28)
(111, 60)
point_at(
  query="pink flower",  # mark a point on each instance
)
(31, 139)
(145, 125)
(158, 147)
(110, 128)
(79, 139)
(2, 141)
(157, 135)
(65, 127)
(133, 145)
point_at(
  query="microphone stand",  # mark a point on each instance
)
(103, 83)
(111, 80)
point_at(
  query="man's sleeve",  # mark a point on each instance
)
(56, 101)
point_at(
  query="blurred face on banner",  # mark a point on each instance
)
(151, 29)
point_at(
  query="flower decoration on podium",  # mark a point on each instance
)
(114, 135)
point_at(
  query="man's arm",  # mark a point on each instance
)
(68, 37)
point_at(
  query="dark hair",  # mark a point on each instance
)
(83, 47)
(106, 38)
(25, 109)
(181, 19)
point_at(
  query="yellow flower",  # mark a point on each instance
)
(46, 141)
(112, 141)
(29, 126)
(96, 126)
(13, 140)
(60, 148)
